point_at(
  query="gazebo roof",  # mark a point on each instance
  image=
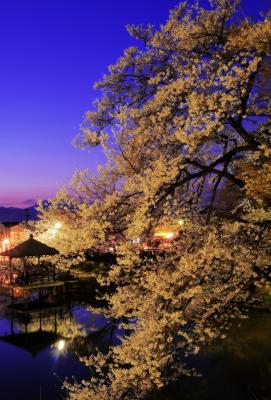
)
(30, 248)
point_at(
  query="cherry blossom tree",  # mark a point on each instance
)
(184, 120)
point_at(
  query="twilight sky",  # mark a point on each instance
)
(52, 52)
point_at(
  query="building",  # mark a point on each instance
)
(11, 234)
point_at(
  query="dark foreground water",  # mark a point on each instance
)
(236, 368)
(39, 349)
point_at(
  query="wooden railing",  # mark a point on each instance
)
(40, 278)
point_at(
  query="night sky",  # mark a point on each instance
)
(52, 52)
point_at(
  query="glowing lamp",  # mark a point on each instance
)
(164, 235)
(169, 235)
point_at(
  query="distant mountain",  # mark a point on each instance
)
(12, 214)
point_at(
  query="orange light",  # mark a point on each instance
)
(169, 235)
(164, 235)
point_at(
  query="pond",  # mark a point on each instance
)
(42, 347)
(39, 348)
(236, 368)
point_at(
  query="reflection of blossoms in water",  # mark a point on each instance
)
(65, 326)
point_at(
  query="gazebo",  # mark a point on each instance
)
(29, 248)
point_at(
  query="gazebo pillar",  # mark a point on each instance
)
(10, 270)
(11, 289)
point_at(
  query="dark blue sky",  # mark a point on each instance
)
(52, 52)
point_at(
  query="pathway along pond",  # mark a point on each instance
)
(39, 349)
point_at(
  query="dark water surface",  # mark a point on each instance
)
(39, 349)
(236, 368)
(42, 347)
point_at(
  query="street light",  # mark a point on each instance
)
(169, 235)
(53, 231)
(5, 244)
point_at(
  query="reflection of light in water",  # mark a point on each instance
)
(60, 345)
(59, 348)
